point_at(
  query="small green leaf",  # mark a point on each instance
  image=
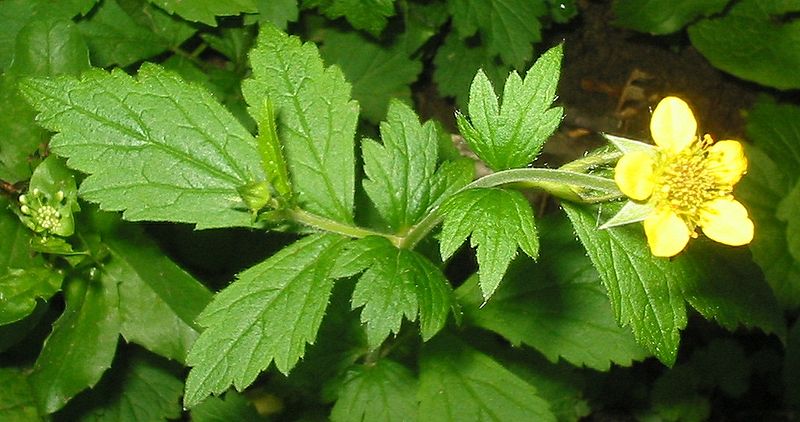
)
(645, 291)
(269, 313)
(511, 135)
(509, 28)
(206, 11)
(19, 290)
(751, 43)
(16, 397)
(403, 181)
(663, 16)
(81, 345)
(367, 15)
(498, 222)
(397, 283)
(459, 383)
(230, 407)
(271, 152)
(557, 306)
(155, 146)
(385, 391)
(378, 73)
(49, 47)
(316, 120)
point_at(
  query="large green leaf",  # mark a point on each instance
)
(557, 306)
(206, 11)
(498, 221)
(49, 47)
(269, 313)
(459, 383)
(663, 16)
(752, 43)
(512, 134)
(155, 146)
(385, 391)
(316, 120)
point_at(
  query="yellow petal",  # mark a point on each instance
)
(673, 126)
(725, 220)
(728, 162)
(667, 234)
(634, 175)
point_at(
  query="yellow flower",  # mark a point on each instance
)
(684, 183)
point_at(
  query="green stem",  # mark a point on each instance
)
(589, 162)
(332, 226)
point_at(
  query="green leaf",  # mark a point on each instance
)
(403, 181)
(21, 136)
(277, 12)
(368, 15)
(155, 146)
(138, 388)
(498, 222)
(459, 383)
(316, 120)
(774, 129)
(378, 72)
(557, 306)
(509, 28)
(16, 398)
(158, 300)
(271, 152)
(385, 391)
(14, 241)
(49, 47)
(645, 291)
(751, 43)
(206, 11)
(230, 407)
(396, 283)
(663, 16)
(234, 43)
(81, 345)
(789, 212)
(511, 135)
(269, 313)
(123, 32)
(19, 290)
(12, 14)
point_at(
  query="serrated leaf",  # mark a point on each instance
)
(644, 291)
(557, 306)
(158, 300)
(49, 47)
(81, 345)
(397, 283)
(123, 32)
(459, 383)
(385, 391)
(509, 28)
(512, 134)
(498, 221)
(316, 120)
(16, 398)
(663, 16)
(403, 181)
(368, 15)
(230, 407)
(206, 11)
(268, 314)
(752, 43)
(378, 73)
(20, 289)
(155, 146)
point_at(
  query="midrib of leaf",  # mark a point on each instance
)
(298, 109)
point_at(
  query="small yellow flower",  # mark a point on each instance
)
(685, 183)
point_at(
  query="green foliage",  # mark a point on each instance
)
(385, 391)
(20, 288)
(206, 11)
(662, 16)
(16, 396)
(368, 15)
(231, 407)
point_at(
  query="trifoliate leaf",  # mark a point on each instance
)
(367, 15)
(397, 283)
(557, 306)
(378, 73)
(384, 391)
(512, 134)
(753, 43)
(459, 383)
(230, 407)
(403, 181)
(155, 146)
(20, 289)
(316, 120)
(206, 11)
(645, 292)
(123, 32)
(81, 346)
(663, 16)
(16, 396)
(509, 28)
(269, 313)
(498, 222)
